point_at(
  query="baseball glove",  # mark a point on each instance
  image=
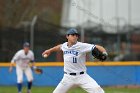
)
(38, 71)
(102, 56)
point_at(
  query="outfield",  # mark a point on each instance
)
(9, 89)
(115, 73)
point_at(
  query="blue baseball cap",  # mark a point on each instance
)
(72, 31)
(26, 44)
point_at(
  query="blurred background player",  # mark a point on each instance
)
(74, 54)
(23, 58)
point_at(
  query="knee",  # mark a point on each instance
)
(19, 81)
(30, 79)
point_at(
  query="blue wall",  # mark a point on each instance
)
(104, 75)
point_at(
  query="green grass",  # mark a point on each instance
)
(12, 89)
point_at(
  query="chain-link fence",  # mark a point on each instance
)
(16, 27)
(47, 35)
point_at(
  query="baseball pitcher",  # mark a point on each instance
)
(74, 54)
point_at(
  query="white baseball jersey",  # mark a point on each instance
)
(22, 60)
(75, 56)
(74, 62)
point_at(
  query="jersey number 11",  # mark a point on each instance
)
(74, 60)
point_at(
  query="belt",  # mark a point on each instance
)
(74, 74)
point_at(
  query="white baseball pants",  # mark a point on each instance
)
(20, 71)
(84, 81)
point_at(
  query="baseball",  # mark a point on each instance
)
(45, 55)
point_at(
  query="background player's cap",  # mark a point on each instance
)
(26, 44)
(72, 31)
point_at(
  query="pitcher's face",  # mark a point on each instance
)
(72, 38)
